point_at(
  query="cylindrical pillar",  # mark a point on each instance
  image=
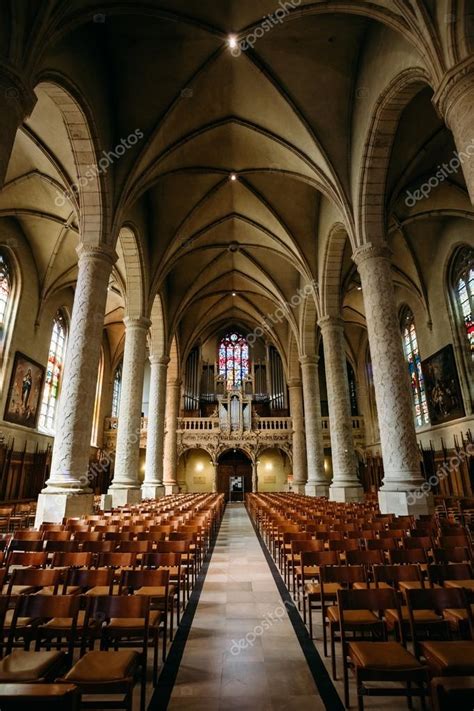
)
(170, 458)
(125, 487)
(152, 487)
(317, 484)
(67, 491)
(298, 439)
(400, 492)
(345, 485)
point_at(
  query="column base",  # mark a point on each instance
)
(297, 488)
(124, 497)
(153, 491)
(171, 489)
(106, 502)
(52, 508)
(406, 503)
(346, 494)
(316, 489)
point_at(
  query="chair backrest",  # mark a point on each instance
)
(103, 608)
(394, 574)
(437, 599)
(298, 547)
(26, 544)
(347, 544)
(343, 574)
(458, 554)
(373, 599)
(61, 546)
(28, 535)
(367, 558)
(131, 580)
(134, 546)
(98, 546)
(116, 559)
(57, 535)
(318, 558)
(36, 578)
(453, 541)
(172, 546)
(27, 559)
(42, 608)
(157, 560)
(86, 536)
(75, 559)
(384, 544)
(423, 542)
(86, 578)
(403, 557)
(439, 572)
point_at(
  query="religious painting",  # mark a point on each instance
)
(443, 392)
(24, 393)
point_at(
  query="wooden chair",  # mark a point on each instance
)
(74, 559)
(41, 697)
(90, 581)
(381, 660)
(155, 585)
(172, 563)
(444, 656)
(38, 666)
(119, 622)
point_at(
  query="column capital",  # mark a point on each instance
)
(453, 87)
(294, 383)
(89, 252)
(137, 323)
(17, 92)
(309, 360)
(158, 360)
(331, 322)
(371, 251)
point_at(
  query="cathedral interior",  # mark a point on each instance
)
(237, 286)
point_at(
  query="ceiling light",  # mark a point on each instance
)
(234, 293)
(232, 41)
(359, 288)
(233, 176)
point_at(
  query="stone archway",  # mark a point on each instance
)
(234, 463)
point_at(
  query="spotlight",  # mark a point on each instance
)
(234, 293)
(232, 41)
(233, 176)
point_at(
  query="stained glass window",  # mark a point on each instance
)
(464, 286)
(412, 355)
(5, 290)
(54, 370)
(233, 359)
(116, 390)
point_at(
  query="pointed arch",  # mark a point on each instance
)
(135, 285)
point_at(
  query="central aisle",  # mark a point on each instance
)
(242, 651)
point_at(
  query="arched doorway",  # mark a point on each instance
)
(234, 469)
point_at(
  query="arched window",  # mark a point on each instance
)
(54, 371)
(233, 359)
(116, 390)
(412, 355)
(352, 389)
(463, 284)
(5, 291)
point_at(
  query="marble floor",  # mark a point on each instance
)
(242, 651)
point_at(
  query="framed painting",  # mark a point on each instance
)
(443, 392)
(24, 393)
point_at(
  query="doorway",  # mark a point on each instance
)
(234, 475)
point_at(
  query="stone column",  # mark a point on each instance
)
(254, 477)
(170, 457)
(298, 439)
(125, 487)
(454, 99)
(67, 491)
(400, 493)
(317, 484)
(345, 485)
(152, 487)
(17, 101)
(214, 479)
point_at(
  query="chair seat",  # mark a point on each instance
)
(21, 621)
(17, 589)
(49, 590)
(456, 614)
(330, 589)
(126, 623)
(100, 590)
(364, 586)
(386, 656)
(452, 658)
(66, 622)
(157, 591)
(21, 665)
(410, 585)
(352, 617)
(418, 615)
(98, 666)
(310, 571)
